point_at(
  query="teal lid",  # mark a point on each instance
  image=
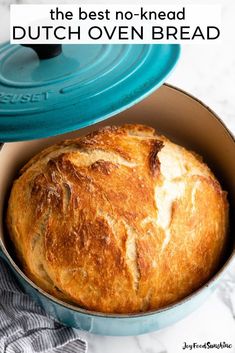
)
(44, 95)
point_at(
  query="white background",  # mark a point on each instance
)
(208, 72)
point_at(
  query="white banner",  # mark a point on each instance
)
(53, 24)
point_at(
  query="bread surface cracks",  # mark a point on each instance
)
(95, 157)
(92, 157)
(126, 241)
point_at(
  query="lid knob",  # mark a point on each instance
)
(45, 51)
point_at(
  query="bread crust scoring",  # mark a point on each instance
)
(119, 221)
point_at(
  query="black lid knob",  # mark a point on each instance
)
(45, 51)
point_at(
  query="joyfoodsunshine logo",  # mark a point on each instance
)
(206, 345)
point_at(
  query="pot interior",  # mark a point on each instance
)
(174, 113)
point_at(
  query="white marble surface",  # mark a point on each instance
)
(208, 72)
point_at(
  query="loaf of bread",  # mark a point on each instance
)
(119, 221)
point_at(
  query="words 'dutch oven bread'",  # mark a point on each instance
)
(121, 221)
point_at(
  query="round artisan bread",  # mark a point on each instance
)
(119, 221)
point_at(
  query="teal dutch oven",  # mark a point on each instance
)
(48, 94)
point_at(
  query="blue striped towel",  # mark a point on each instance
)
(26, 328)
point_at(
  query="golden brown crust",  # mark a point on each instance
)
(121, 220)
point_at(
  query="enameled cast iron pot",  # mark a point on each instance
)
(186, 121)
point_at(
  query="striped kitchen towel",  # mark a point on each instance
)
(26, 328)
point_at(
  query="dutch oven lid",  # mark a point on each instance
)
(45, 91)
